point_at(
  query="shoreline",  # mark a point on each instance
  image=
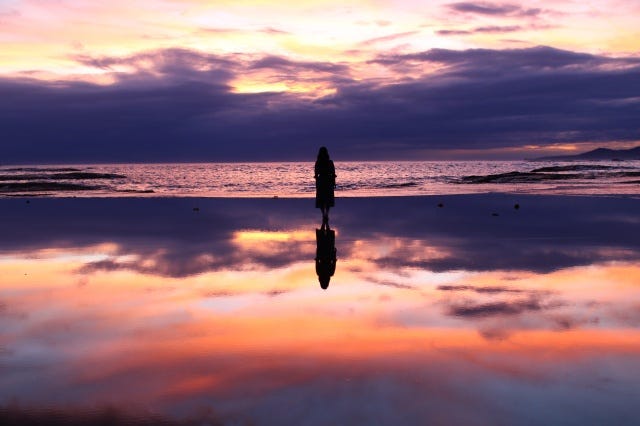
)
(294, 180)
(311, 197)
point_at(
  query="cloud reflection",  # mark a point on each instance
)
(166, 237)
(220, 310)
(513, 307)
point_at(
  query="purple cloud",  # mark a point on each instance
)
(489, 290)
(500, 308)
(453, 32)
(495, 29)
(493, 9)
(480, 98)
(280, 63)
(534, 58)
(498, 29)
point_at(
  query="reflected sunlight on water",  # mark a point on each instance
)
(295, 179)
(434, 314)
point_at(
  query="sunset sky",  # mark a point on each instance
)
(242, 80)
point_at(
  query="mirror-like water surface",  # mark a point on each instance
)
(210, 309)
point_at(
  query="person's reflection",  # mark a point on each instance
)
(325, 254)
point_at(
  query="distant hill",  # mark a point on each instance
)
(597, 154)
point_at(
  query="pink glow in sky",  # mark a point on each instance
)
(384, 79)
(48, 36)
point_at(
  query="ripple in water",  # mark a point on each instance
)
(355, 179)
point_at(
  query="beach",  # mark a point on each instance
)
(475, 309)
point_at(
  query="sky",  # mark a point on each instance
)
(251, 80)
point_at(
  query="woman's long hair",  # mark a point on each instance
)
(323, 154)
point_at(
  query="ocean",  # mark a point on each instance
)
(295, 179)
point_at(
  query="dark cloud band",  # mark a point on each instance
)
(178, 105)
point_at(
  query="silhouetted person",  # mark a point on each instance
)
(325, 175)
(325, 254)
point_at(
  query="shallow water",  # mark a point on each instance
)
(355, 179)
(470, 313)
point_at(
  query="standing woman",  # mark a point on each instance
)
(325, 174)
